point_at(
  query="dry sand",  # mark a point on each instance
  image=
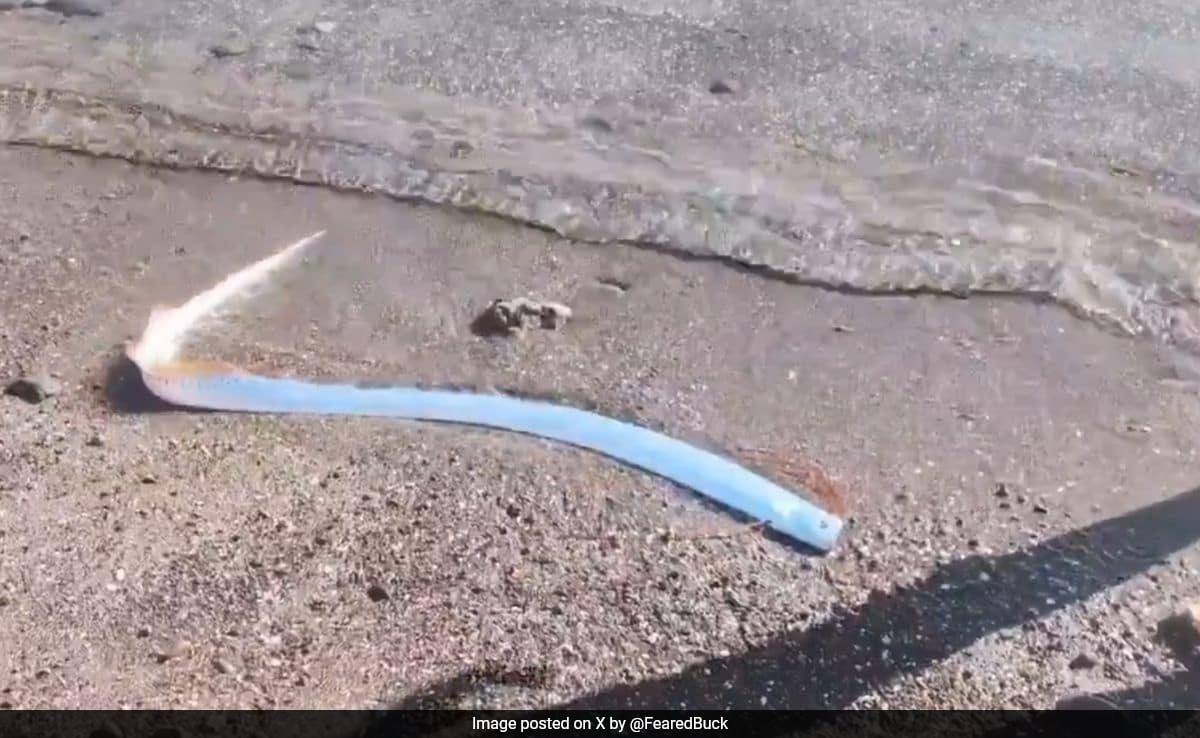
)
(1020, 481)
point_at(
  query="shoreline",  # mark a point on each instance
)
(1111, 242)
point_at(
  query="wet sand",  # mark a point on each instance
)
(1018, 480)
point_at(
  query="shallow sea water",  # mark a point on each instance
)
(1104, 244)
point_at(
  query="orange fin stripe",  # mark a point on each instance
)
(183, 369)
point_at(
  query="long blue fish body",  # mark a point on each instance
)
(701, 471)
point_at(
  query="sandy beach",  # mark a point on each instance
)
(1020, 481)
(942, 251)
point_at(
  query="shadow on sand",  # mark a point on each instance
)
(127, 394)
(831, 664)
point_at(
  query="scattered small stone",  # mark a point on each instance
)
(34, 388)
(839, 328)
(4, 601)
(1040, 509)
(325, 26)
(143, 632)
(233, 46)
(724, 87)
(149, 479)
(222, 665)
(1002, 490)
(460, 149)
(1181, 630)
(1082, 661)
(95, 441)
(506, 317)
(554, 315)
(377, 593)
(596, 123)
(175, 650)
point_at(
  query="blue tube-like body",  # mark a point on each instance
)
(702, 471)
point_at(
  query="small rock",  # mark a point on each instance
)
(377, 593)
(95, 441)
(143, 632)
(1181, 630)
(34, 388)
(325, 26)
(554, 315)
(596, 123)
(175, 650)
(724, 87)
(1002, 490)
(222, 665)
(1082, 661)
(460, 149)
(233, 46)
(1040, 509)
(506, 317)
(149, 479)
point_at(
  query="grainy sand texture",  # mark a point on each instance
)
(1020, 483)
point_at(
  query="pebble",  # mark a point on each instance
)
(596, 123)
(222, 665)
(1181, 630)
(325, 26)
(1082, 661)
(233, 46)
(513, 316)
(377, 593)
(34, 388)
(724, 87)
(175, 650)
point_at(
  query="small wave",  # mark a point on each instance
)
(1098, 243)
